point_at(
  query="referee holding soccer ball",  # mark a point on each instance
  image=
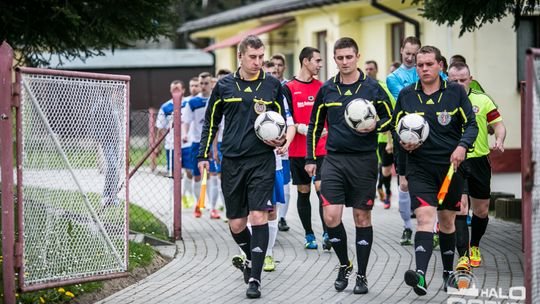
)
(453, 130)
(248, 165)
(349, 171)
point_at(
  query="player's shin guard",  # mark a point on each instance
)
(304, 211)
(448, 245)
(423, 247)
(213, 191)
(259, 245)
(243, 239)
(287, 193)
(386, 182)
(338, 238)
(321, 214)
(196, 190)
(364, 240)
(462, 235)
(478, 228)
(405, 208)
(285, 207)
(187, 185)
(272, 234)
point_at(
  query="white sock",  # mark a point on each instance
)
(272, 234)
(213, 190)
(196, 190)
(187, 185)
(405, 208)
(220, 192)
(285, 207)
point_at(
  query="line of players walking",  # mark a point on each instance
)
(343, 164)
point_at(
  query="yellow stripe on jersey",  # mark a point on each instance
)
(388, 112)
(314, 147)
(333, 104)
(208, 143)
(463, 114)
(233, 99)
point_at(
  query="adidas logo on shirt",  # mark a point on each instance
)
(363, 243)
(420, 249)
(257, 249)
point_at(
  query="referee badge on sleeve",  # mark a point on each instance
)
(444, 118)
(259, 107)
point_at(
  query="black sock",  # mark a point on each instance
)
(462, 235)
(364, 240)
(423, 246)
(321, 214)
(338, 238)
(386, 182)
(478, 228)
(304, 211)
(448, 245)
(380, 181)
(259, 244)
(243, 239)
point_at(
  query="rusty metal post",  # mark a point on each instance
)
(6, 148)
(177, 165)
(152, 137)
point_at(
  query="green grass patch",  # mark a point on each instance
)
(140, 255)
(143, 221)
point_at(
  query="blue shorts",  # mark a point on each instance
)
(194, 153)
(217, 165)
(286, 171)
(186, 158)
(278, 196)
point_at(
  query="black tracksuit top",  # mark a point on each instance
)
(235, 98)
(330, 104)
(449, 114)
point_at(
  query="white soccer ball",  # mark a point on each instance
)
(360, 114)
(269, 125)
(413, 129)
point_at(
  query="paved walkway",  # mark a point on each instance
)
(202, 272)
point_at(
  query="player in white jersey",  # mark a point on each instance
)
(193, 123)
(164, 122)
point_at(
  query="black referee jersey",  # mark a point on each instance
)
(241, 101)
(449, 114)
(330, 103)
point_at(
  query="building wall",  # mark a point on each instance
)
(490, 51)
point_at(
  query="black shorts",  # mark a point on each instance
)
(248, 183)
(425, 181)
(349, 179)
(299, 174)
(478, 181)
(386, 159)
(400, 159)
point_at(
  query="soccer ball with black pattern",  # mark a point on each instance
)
(269, 125)
(360, 114)
(413, 129)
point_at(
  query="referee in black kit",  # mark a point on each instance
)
(248, 165)
(448, 111)
(350, 168)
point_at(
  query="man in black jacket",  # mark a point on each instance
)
(248, 165)
(453, 130)
(349, 171)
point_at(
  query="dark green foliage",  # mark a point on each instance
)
(79, 29)
(473, 13)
